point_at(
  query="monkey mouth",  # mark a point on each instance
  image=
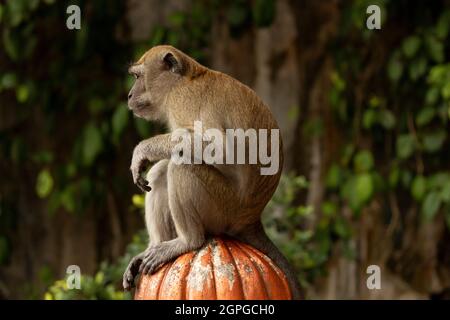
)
(139, 106)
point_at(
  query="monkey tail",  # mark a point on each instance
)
(255, 236)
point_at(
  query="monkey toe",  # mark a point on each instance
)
(131, 272)
(152, 261)
(128, 281)
(150, 266)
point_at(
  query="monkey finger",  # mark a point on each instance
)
(126, 285)
(144, 188)
(149, 266)
(143, 185)
(143, 264)
(154, 267)
(128, 282)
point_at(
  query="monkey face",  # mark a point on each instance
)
(138, 100)
(157, 72)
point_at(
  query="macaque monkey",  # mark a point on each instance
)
(186, 203)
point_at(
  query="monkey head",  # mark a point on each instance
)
(158, 73)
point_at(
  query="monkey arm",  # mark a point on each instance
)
(155, 148)
(147, 151)
(181, 146)
(165, 146)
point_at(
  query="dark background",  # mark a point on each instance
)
(364, 117)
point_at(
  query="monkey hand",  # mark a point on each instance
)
(139, 164)
(132, 271)
(154, 258)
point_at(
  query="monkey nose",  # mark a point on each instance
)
(130, 95)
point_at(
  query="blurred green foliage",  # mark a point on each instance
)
(409, 112)
(104, 283)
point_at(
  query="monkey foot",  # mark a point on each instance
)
(132, 271)
(154, 258)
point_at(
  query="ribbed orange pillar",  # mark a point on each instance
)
(223, 269)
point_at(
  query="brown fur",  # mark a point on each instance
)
(188, 202)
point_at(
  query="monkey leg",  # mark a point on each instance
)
(157, 218)
(157, 212)
(198, 197)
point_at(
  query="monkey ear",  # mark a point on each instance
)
(172, 63)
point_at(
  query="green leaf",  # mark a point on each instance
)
(438, 74)
(418, 187)
(445, 91)
(329, 208)
(347, 154)
(359, 190)
(394, 176)
(119, 120)
(68, 199)
(430, 205)
(445, 192)
(333, 177)
(138, 200)
(438, 180)
(10, 44)
(424, 116)
(395, 69)
(432, 96)
(44, 183)
(22, 93)
(9, 80)
(16, 10)
(432, 142)
(71, 169)
(405, 146)
(337, 81)
(342, 228)
(417, 68)
(363, 188)
(374, 102)
(410, 46)
(406, 178)
(370, 117)
(443, 25)
(387, 119)
(304, 211)
(435, 49)
(92, 144)
(363, 161)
